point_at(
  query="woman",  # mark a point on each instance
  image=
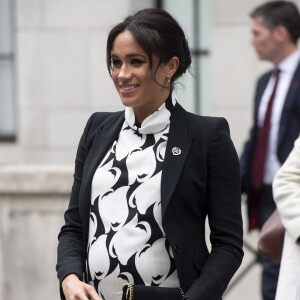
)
(286, 188)
(146, 179)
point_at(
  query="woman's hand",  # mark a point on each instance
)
(74, 289)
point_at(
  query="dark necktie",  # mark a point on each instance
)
(263, 141)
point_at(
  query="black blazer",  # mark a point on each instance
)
(204, 180)
(289, 130)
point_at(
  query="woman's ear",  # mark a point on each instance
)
(173, 66)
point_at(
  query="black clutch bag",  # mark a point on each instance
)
(143, 292)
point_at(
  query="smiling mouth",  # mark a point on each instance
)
(128, 88)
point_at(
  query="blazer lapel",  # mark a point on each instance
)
(178, 146)
(294, 89)
(103, 140)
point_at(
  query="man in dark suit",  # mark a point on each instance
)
(276, 120)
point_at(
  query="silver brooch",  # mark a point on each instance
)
(176, 151)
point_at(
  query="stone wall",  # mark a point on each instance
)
(32, 202)
(61, 76)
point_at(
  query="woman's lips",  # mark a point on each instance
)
(128, 88)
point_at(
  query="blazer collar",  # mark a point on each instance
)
(178, 146)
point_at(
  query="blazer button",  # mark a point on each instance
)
(176, 249)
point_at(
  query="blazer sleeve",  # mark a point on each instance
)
(286, 189)
(224, 216)
(70, 245)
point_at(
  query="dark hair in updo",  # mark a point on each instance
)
(159, 34)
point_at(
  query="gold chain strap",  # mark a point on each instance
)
(129, 291)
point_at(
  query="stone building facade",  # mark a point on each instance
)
(60, 78)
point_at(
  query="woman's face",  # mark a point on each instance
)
(131, 75)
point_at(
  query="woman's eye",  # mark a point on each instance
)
(116, 63)
(137, 62)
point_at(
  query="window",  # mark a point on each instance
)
(7, 103)
(193, 16)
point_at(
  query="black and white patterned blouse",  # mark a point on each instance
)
(126, 240)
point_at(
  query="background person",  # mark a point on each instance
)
(276, 120)
(146, 179)
(286, 187)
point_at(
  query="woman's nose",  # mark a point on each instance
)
(124, 73)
